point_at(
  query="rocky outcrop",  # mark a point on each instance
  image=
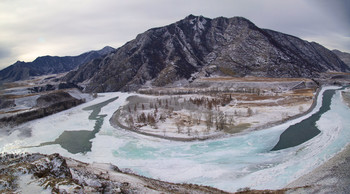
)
(23, 172)
(53, 98)
(49, 65)
(198, 46)
(6, 103)
(51, 87)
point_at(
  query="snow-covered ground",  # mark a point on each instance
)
(229, 163)
(184, 119)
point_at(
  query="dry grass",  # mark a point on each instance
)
(238, 128)
(295, 97)
(254, 79)
(303, 92)
(281, 102)
(11, 96)
(15, 85)
(252, 97)
(346, 97)
(338, 73)
(14, 111)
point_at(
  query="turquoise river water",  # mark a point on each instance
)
(230, 163)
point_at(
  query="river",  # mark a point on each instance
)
(229, 163)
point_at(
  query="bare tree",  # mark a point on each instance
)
(216, 119)
(249, 112)
(150, 119)
(164, 131)
(190, 117)
(199, 116)
(130, 121)
(221, 121)
(176, 102)
(162, 117)
(196, 133)
(170, 111)
(179, 124)
(231, 121)
(209, 120)
(301, 109)
(189, 130)
(142, 118)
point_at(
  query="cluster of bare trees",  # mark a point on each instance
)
(209, 103)
(199, 90)
(199, 110)
(219, 120)
(216, 120)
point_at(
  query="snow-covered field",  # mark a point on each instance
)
(198, 116)
(229, 163)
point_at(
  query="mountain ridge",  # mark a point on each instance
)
(49, 65)
(344, 56)
(197, 46)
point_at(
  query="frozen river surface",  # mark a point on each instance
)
(229, 164)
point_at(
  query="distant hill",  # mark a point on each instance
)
(197, 46)
(345, 57)
(49, 65)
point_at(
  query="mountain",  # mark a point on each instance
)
(198, 46)
(49, 65)
(345, 57)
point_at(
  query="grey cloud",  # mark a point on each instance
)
(37, 27)
(4, 53)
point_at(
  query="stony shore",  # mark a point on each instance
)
(331, 177)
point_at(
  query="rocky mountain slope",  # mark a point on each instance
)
(345, 57)
(49, 65)
(196, 47)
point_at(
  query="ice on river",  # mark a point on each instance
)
(229, 164)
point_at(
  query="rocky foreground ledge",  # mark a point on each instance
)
(39, 173)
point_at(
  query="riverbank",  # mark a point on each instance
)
(331, 177)
(346, 97)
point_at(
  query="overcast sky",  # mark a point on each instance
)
(32, 28)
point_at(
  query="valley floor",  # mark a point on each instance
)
(242, 111)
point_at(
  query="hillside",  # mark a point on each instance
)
(345, 57)
(201, 47)
(49, 65)
(39, 173)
